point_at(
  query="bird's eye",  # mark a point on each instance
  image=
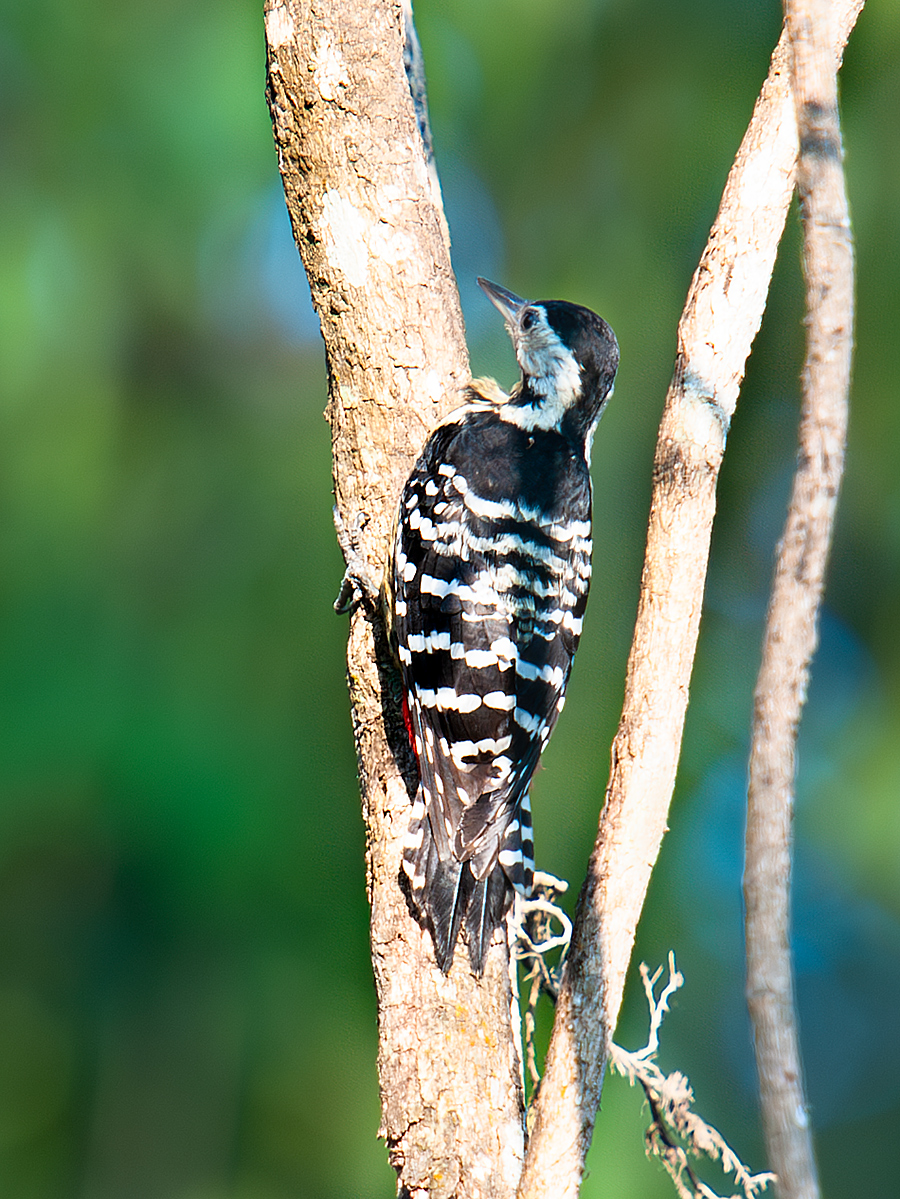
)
(529, 316)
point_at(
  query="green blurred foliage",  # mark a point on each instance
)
(186, 1009)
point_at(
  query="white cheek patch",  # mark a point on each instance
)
(553, 373)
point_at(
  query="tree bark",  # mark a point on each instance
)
(367, 219)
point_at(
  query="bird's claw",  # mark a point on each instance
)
(357, 583)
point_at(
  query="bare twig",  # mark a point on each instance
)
(658, 1006)
(535, 939)
(723, 312)
(791, 625)
(671, 1103)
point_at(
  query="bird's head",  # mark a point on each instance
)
(568, 356)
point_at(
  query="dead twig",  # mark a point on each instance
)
(677, 1130)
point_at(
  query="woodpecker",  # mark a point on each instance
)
(488, 584)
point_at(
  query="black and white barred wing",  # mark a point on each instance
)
(457, 649)
(486, 632)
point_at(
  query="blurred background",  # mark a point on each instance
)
(186, 1006)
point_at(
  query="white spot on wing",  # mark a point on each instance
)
(413, 840)
(531, 724)
(573, 623)
(488, 745)
(445, 699)
(420, 643)
(549, 674)
(479, 659)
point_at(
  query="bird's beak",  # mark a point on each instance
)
(507, 303)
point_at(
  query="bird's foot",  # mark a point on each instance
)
(357, 583)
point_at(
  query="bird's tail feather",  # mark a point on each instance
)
(446, 893)
(487, 907)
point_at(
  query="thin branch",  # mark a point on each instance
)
(658, 1006)
(791, 625)
(722, 315)
(677, 1130)
(534, 921)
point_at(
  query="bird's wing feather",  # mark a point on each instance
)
(486, 663)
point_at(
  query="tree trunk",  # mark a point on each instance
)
(367, 218)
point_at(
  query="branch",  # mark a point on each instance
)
(671, 1103)
(791, 624)
(722, 315)
(367, 219)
